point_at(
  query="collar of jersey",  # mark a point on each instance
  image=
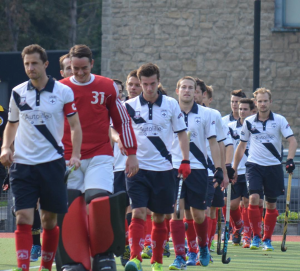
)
(238, 123)
(74, 81)
(49, 86)
(231, 117)
(158, 100)
(271, 117)
(194, 108)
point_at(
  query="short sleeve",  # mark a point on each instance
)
(178, 123)
(210, 126)
(69, 103)
(245, 133)
(228, 139)
(219, 128)
(13, 112)
(285, 128)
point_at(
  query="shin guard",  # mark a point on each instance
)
(106, 224)
(73, 246)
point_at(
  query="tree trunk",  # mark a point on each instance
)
(12, 25)
(73, 22)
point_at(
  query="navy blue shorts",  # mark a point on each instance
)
(210, 192)
(268, 179)
(152, 189)
(240, 188)
(194, 188)
(120, 183)
(42, 181)
(218, 200)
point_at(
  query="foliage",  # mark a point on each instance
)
(47, 23)
(293, 217)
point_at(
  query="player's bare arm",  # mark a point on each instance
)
(76, 138)
(8, 139)
(184, 144)
(240, 150)
(292, 147)
(225, 175)
(116, 139)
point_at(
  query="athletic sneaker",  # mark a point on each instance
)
(204, 256)
(246, 242)
(167, 252)
(178, 264)
(212, 246)
(255, 242)
(134, 265)
(35, 253)
(237, 237)
(267, 246)
(126, 256)
(157, 267)
(147, 252)
(211, 259)
(192, 259)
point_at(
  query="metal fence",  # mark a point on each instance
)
(7, 220)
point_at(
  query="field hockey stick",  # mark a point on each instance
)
(287, 208)
(226, 233)
(180, 185)
(219, 251)
(178, 198)
(67, 173)
(263, 216)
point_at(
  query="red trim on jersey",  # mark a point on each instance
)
(70, 108)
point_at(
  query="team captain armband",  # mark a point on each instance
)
(70, 109)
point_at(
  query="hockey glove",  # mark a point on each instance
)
(184, 169)
(218, 176)
(290, 166)
(230, 171)
(6, 184)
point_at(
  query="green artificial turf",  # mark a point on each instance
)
(241, 258)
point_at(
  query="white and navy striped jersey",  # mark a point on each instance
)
(41, 121)
(154, 125)
(201, 122)
(227, 141)
(228, 118)
(235, 128)
(265, 138)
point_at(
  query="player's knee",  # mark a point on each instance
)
(23, 218)
(91, 194)
(140, 213)
(158, 218)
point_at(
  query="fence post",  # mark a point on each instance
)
(11, 220)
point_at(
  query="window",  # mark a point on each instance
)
(287, 15)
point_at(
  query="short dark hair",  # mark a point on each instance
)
(186, 78)
(247, 101)
(119, 82)
(148, 70)
(162, 89)
(81, 51)
(238, 93)
(200, 83)
(35, 48)
(61, 60)
(132, 74)
(209, 91)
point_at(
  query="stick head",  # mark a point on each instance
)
(283, 247)
(224, 261)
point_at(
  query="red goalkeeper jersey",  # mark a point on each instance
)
(96, 103)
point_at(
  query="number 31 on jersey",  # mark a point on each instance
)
(96, 97)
